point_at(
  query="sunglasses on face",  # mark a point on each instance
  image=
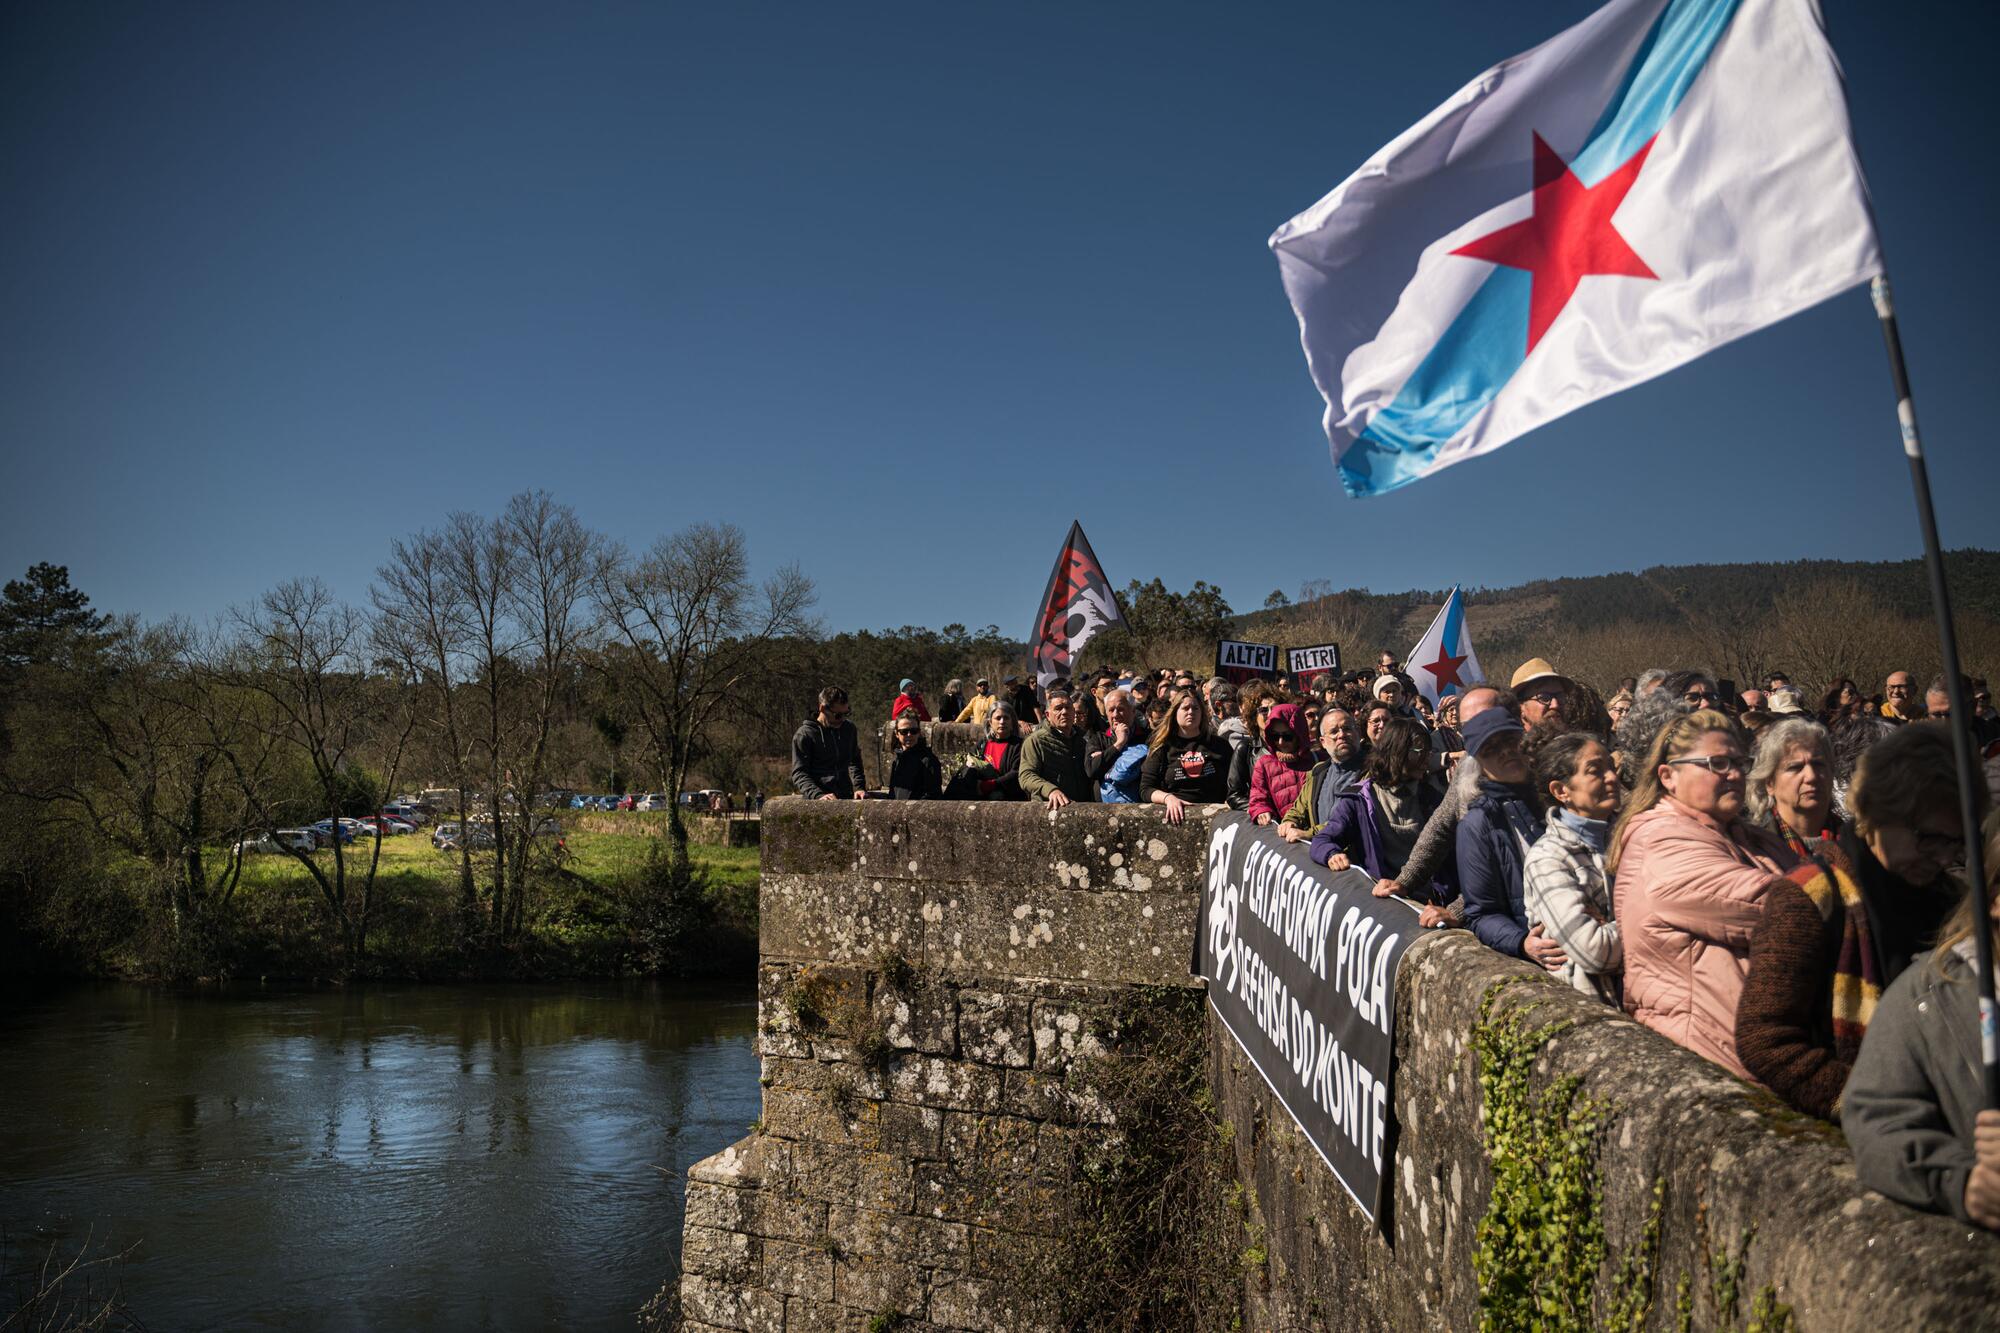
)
(1546, 698)
(907, 731)
(1719, 764)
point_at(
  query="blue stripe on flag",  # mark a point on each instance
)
(1488, 340)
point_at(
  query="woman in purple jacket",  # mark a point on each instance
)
(1376, 825)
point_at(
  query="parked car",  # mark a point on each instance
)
(299, 839)
(408, 814)
(252, 846)
(653, 800)
(449, 837)
(390, 827)
(327, 830)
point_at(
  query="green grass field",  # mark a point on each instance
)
(575, 914)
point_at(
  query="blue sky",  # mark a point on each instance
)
(899, 289)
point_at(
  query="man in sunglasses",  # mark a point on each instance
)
(826, 752)
(1543, 691)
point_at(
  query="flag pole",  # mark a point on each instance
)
(1954, 682)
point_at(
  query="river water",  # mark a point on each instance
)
(422, 1157)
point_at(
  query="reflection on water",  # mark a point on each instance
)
(418, 1157)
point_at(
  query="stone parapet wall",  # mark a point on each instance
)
(935, 981)
(1759, 1217)
(941, 983)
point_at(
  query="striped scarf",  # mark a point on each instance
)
(1857, 981)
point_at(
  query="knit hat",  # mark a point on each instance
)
(1376, 690)
(905, 686)
(1485, 726)
(1786, 701)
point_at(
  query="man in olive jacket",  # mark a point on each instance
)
(1052, 756)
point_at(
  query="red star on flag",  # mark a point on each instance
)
(1569, 237)
(1445, 671)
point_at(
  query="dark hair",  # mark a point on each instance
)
(1584, 710)
(1553, 756)
(1399, 757)
(831, 695)
(1678, 684)
(1058, 690)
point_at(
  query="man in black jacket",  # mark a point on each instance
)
(826, 752)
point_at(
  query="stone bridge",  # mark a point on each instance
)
(951, 995)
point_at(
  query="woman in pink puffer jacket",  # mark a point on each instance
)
(1689, 877)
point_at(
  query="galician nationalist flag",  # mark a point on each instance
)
(1663, 177)
(1443, 662)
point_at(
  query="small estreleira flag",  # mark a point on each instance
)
(1078, 603)
(1443, 663)
(1660, 179)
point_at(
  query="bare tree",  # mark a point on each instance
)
(300, 658)
(557, 562)
(489, 616)
(689, 628)
(424, 627)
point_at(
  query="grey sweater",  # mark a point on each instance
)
(1915, 1091)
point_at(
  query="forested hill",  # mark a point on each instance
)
(1727, 616)
(1656, 594)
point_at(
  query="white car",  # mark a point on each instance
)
(652, 800)
(295, 839)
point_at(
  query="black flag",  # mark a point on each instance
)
(1079, 603)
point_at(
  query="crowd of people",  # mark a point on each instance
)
(1777, 888)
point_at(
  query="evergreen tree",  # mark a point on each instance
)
(38, 612)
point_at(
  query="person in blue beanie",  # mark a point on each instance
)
(1499, 826)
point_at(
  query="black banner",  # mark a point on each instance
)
(1242, 662)
(1301, 968)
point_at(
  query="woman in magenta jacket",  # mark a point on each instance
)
(1689, 875)
(1278, 774)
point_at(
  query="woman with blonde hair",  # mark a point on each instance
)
(1915, 1108)
(1689, 875)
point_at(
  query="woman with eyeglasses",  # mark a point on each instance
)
(1276, 777)
(1844, 924)
(914, 773)
(1678, 694)
(1375, 826)
(1689, 875)
(1914, 1109)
